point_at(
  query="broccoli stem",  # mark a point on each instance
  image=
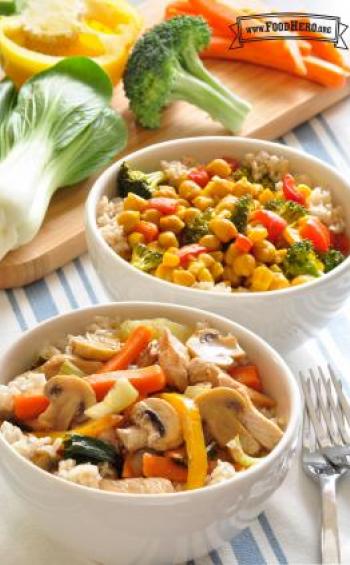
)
(194, 65)
(199, 93)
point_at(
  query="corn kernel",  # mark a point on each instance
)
(189, 189)
(216, 270)
(195, 267)
(266, 195)
(203, 202)
(264, 251)
(185, 278)
(291, 235)
(279, 281)
(302, 279)
(219, 167)
(225, 214)
(262, 278)
(135, 238)
(210, 241)
(218, 256)
(128, 219)
(244, 265)
(171, 223)
(171, 259)
(165, 192)
(207, 259)
(181, 212)
(280, 255)
(152, 215)
(135, 202)
(221, 187)
(256, 233)
(224, 230)
(168, 239)
(242, 187)
(275, 268)
(229, 275)
(190, 214)
(304, 190)
(231, 253)
(205, 275)
(163, 272)
(183, 202)
(227, 203)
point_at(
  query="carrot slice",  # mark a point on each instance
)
(29, 407)
(219, 16)
(146, 380)
(247, 375)
(134, 345)
(164, 467)
(324, 72)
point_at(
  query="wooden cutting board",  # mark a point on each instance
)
(280, 102)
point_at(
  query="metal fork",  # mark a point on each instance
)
(326, 448)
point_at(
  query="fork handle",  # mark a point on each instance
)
(330, 535)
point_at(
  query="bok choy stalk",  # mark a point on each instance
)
(60, 131)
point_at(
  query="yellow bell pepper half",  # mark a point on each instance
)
(194, 438)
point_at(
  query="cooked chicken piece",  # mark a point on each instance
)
(258, 398)
(222, 407)
(133, 438)
(174, 360)
(211, 346)
(149, 355)
(52, 367)
(138, 486)
(200, 371)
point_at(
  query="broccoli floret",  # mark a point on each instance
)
(145, 259)
(331, 259)
(301, 259)
(137, 182)
(289, 210)
(197, 228)
(241, 212)
(164, 66)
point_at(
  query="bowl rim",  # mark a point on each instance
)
(290, 431)
(98, 189)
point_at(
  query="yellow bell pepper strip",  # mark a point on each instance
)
(92, 428)
(194, 438)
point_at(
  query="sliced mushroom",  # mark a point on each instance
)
(88, 349)
(222, 407)
(138, 486)
(200, 371)
(211, 346)
(174, 359)
(160, 421)
(52, 367)
(69, 397)
(133, 438)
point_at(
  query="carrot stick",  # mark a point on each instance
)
(134, 345)
(324, 72)
(29, 407)
(146, 380)
(254, 53)
(304, 47)
(179, 9)
(219, 16)
(164, 467)
(248, 375)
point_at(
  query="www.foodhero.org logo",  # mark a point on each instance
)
(288, 25)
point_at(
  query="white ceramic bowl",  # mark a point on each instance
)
(150, 529)
(284, 317)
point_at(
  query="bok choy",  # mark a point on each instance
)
(56, 131)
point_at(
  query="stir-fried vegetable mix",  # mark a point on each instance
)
(227, 225)
(142, 406)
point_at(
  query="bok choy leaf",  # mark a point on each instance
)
(60, 131)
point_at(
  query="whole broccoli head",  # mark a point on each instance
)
(164, 66)
(197, 228)
(289, 210)
(139, 183)
(241, 212)
(145, 259)
(301, 259)
(331, 259)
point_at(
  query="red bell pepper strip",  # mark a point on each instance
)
(243, 243)
(340, 242)
(188, 251)
(290, 191)
(163, 205)
(317, 233)
(272, 222)
(200, 176)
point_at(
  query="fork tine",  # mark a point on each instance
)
(341, 409)
(339, 389)
(308, 441)
(312, 407)
(328, 409)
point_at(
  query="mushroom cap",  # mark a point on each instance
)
(161, 422)
(94, 350)
(69, 396)
(220, 409)
(211, 346)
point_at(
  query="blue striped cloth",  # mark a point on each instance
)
(287, 532)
